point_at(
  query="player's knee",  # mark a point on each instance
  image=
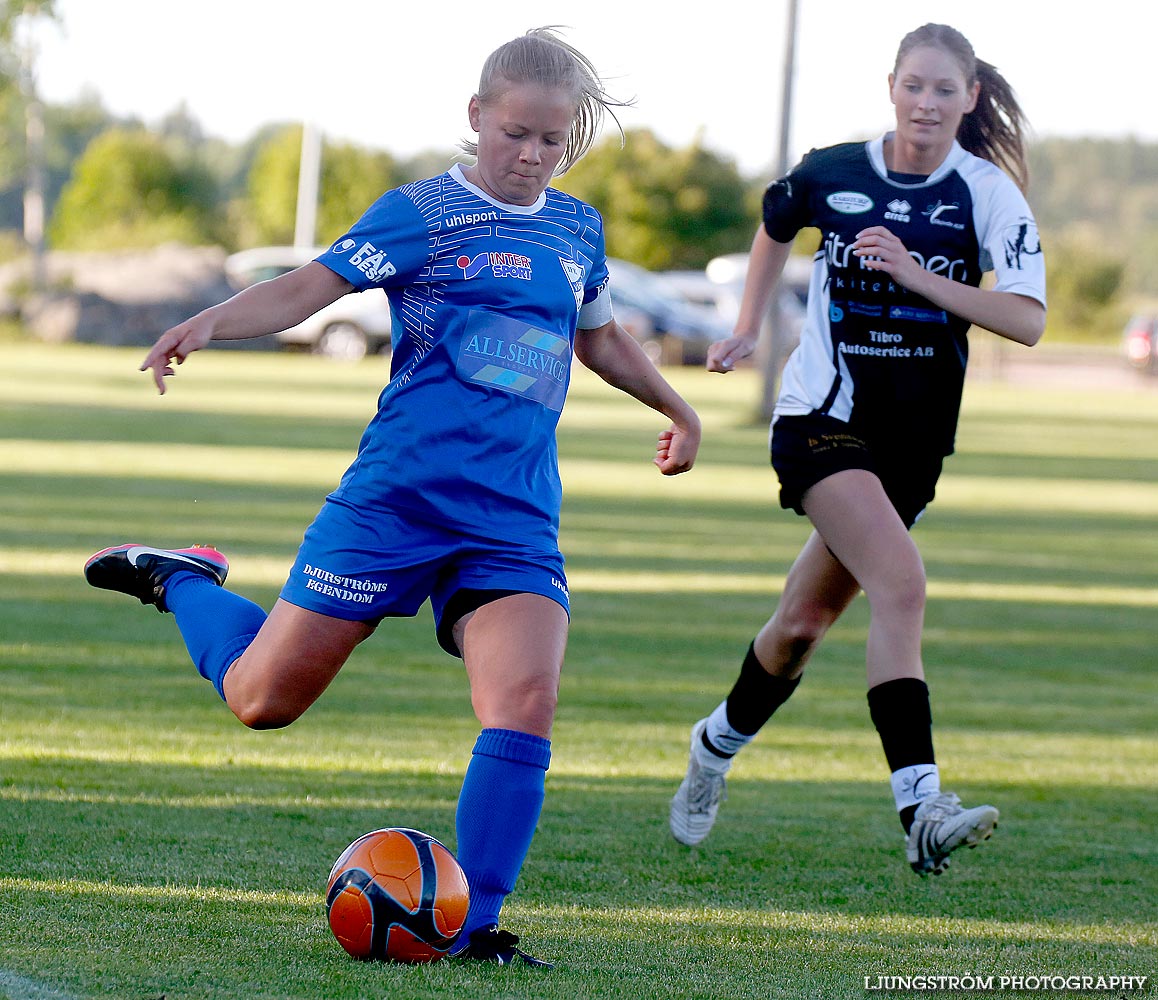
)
(902, 595)
(263, 709)
(527, 707)
(538, 700)
(254, 717)
(800, 626)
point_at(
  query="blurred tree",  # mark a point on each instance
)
(272, 189)
(1083, 283)
(11, 154)
(665, 208)
(181, 128)
(16, 69)
(68, 129)
(429, 163)
(18, 73)
(1103, 193)
(12, 10)
(351, 178)
(128, 190)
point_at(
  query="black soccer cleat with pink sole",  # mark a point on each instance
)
(142, 571)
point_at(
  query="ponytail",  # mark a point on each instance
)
(995, 129)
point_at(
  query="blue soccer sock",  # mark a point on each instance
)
(498, 809)
(216, 624)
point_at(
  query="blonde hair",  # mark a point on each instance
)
(542, 57)
(995, 129)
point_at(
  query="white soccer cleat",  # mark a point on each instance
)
(940, 826)
(697, 801)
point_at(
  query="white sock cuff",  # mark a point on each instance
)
(721, 734)
(911, 784)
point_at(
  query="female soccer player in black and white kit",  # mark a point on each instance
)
(869, 402)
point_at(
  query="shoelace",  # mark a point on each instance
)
(707, 788)
(942, 807)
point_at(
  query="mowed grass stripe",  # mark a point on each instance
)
(270, 572)
(139, 819)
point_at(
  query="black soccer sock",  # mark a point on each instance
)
(906, 816)
(903, 717)
(756, 695)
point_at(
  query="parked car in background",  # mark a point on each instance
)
(1140, 342)
(354, 326)
(727, 274)
(697, 287)
(671, 329)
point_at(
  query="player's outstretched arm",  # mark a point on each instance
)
(615, 356)
(267, 307)
(765, 265)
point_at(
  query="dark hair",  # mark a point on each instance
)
(541, 56)
(995, 129)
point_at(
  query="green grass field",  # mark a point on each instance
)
(151, 846)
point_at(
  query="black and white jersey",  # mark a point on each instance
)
(884, 359)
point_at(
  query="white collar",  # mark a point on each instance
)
(876, 154)
(455, 171)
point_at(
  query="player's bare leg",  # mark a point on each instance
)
(816, 592)
(857, 520)
(513, 651)
(291, 661)
(858, 523)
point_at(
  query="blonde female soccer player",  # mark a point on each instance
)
(495, 279)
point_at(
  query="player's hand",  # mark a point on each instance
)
(677, 448)
(175, 345)
(724, 355)
(880, 250)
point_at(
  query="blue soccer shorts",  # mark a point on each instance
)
(360, 564)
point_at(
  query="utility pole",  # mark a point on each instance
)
(775, 338)
(33, 153)
(309, 170)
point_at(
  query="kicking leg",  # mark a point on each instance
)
(268, 669)
(288, 664)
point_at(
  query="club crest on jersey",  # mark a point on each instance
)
(849, 202)
(502, 265)
(574, 274)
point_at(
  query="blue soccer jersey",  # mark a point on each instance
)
(485, 299)
(872, 353)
